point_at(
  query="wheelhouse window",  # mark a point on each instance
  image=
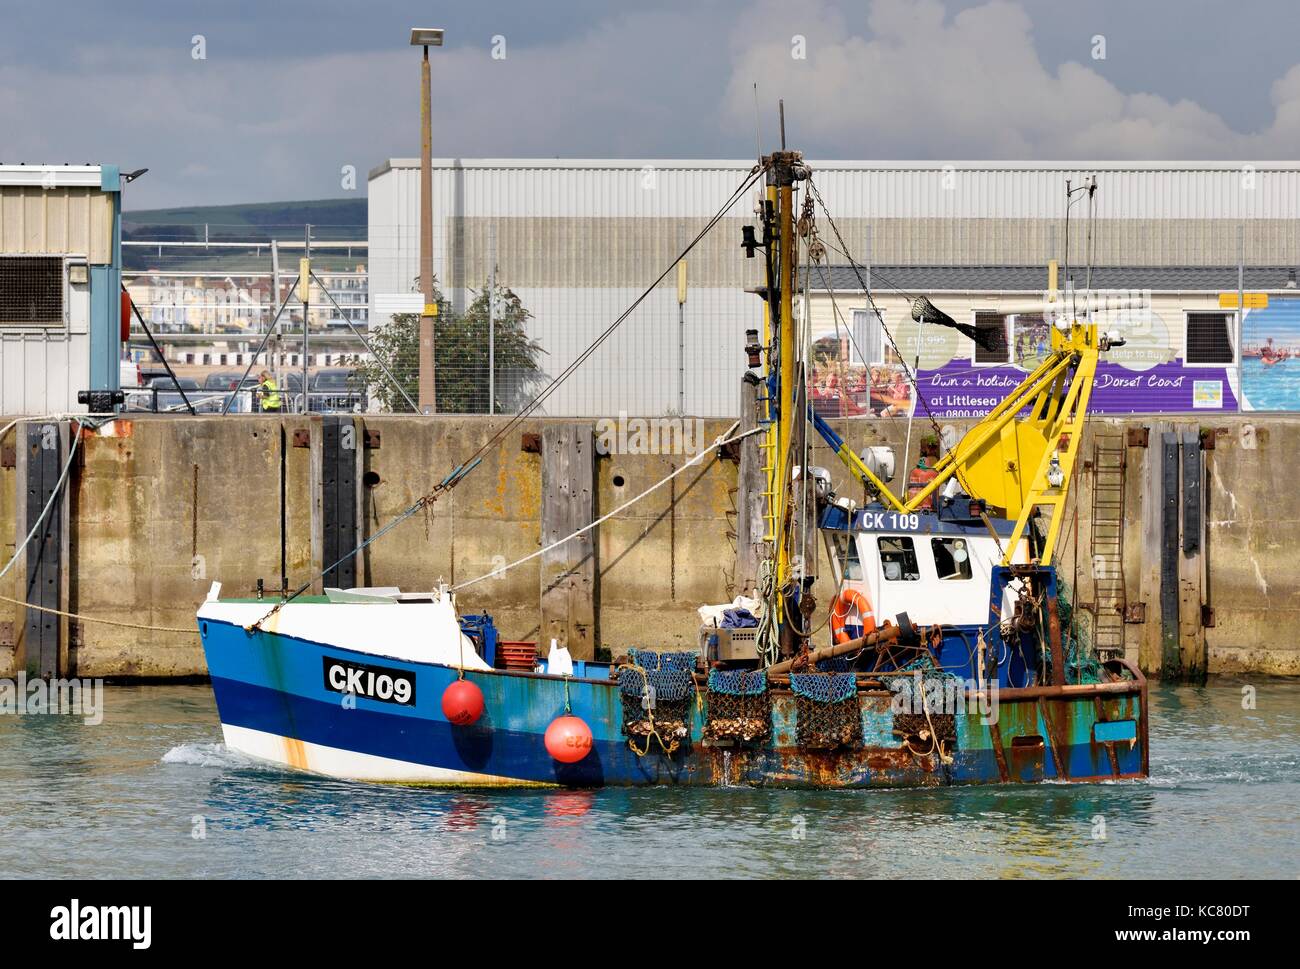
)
(845, 547)
(951, 558)
(898, 559)
(1209, 338)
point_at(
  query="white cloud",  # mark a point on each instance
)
(922, 83)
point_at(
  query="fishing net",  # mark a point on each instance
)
(925, 706)
(656, 692)
(834, 664)
(1081, 663)
(827, 708)
(740, 707)
(649, 659)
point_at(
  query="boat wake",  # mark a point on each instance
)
(209, 755)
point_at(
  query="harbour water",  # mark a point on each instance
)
(151, 792)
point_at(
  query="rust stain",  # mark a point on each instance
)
(1062, 768)
(896, 758)
(999, 752)
(1092, 738)
(113, 428)
(295, 752)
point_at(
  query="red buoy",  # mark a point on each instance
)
(568, 739)
(462, 703)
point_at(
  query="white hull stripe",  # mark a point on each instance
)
(353, 765)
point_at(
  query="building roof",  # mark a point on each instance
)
(1033, 279)
(846, 165)
(46, 176)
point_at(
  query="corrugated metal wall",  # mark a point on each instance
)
(579, 239)
(56, 221)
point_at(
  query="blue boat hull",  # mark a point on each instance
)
(275, 703)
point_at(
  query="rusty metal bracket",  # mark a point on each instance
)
(1207, 617)
(530, 443)
(1207, 438)
(1135, 613)
(373, 439)
(1138, 436)
(302, 437)
(7, 634)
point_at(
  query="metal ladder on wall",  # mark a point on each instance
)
(1107, 542)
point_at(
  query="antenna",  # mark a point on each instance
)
(758, 135)
(781, 108)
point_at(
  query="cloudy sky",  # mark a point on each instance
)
(286, 94)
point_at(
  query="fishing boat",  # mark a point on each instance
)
(948, 654)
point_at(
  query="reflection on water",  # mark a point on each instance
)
(125, 798)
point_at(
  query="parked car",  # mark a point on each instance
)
(222, 380)
(163, 395)
(336, 389)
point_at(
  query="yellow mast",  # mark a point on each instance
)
(785, 351)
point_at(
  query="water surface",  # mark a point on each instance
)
(151, 792)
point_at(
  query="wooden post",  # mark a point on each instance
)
(316, 492)
(338, 499)
(1191, 561)
(568, 573)
(1150, 645)
(43, 641)
(1170, 657)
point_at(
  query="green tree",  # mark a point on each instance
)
(460, 357)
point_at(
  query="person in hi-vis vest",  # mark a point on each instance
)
(268, 392)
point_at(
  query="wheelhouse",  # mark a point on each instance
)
(937, 570)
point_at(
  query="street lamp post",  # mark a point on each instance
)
(426, 37)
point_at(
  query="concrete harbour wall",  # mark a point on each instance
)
(160, 507)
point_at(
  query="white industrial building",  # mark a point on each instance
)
(579, 240)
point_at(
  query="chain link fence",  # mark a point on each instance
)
(521, 300)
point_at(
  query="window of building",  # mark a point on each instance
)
(1209, 338)
(869, 339)
(995, 324)
(31, 290)
(951, 558)
(898, 559)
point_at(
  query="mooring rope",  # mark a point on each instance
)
(191, 630)
(36, 526)
(81, 421)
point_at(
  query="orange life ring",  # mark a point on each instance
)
(847, 600)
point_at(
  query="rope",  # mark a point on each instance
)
(54, 494)
(58, 487)
(191, 630)
(766, 640)
(935, 743)
(458, 474)
(669, 747)
(719, 442)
